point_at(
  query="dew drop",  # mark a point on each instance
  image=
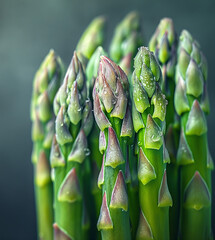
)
(87, 151)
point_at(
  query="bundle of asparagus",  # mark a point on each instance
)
(135, 163)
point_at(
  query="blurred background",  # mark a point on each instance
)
(28, 29)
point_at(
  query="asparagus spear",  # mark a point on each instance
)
(164, 43)
(149, 110)
(124, 46)
(69, 150)
(88, 49)
(92, 68)
(126, 64)
(133, 189)
(92, 37)
(127, 38)
(113, 116)
(191, 103)
(46, 83)
(93, 139)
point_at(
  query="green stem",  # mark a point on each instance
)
(149, 194)
(45, 216)
(195, 224)
(44, 199)
(68, 216)
(119, 217)
(133, 193)
(174, 188)
(173, 168)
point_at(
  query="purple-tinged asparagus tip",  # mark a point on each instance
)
(127, 124)
(69, 190)
(79, 148)
(100, 117)
(119, 197)
(114, 155)
(104, 221)
(56, 157)
(197, 195)
(164, 197)
(101, 174)
(146, 171)
(102, 142)
(59, 234)
(144, 230)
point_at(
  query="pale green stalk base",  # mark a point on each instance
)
(44, 195)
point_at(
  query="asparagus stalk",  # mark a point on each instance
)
(113, 116)
(191, 103)
(46, 83)
(93, 139)
(88, 50)
(133, 189)
(164, 43)
(149, 110)
(127, 38)
(69, 151)
(126, 64)
(124, 46)
(92, 69)
(92, 37)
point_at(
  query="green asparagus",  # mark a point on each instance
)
(113, 117)
(93, 139)
(46, 83)
(92, 37)
(92, 69)
(133, 190)
(69, 153)
(124, 46)
(127, 38)
(164, 44)
(111, 168)
(148, 112)
(89, 51)
(191, 103)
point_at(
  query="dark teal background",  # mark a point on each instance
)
(28, 29)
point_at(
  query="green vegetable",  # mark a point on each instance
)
(69, 153)
(149, 111)
(127, 38)
(164, 44)
(46, 83)
(92, 68)
(124, 46)
(93, 139)
(92, 37)
(133, 190)
(191, 103)
(113, 117)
